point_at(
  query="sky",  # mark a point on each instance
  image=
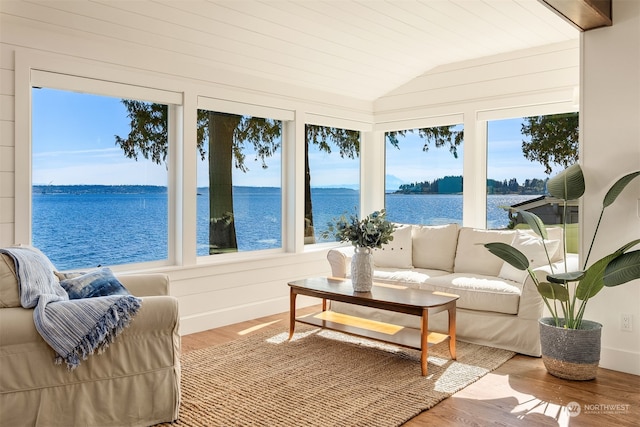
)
(74, 143)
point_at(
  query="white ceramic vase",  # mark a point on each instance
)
(362, 269)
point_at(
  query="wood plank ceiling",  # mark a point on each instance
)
(358, 48)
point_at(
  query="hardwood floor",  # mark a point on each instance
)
(519, 393)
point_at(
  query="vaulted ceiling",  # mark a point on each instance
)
(357, 48)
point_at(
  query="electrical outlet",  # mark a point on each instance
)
(625, 322)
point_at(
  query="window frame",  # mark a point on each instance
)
(364, 128)
(33, 71)
(453, 119)
(474, 121)
(522, 113)
(287, 118)
(372, 125)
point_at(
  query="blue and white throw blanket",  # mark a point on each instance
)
(75, 328)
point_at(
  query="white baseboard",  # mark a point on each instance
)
(620, 360)
(236, 314)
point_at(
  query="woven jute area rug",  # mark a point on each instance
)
(321, 378)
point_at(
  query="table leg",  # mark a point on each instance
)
(452, 330)
(292, 313)
(324, 304)
(424, 345)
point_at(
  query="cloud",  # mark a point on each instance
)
(123, 173)
(95, 153)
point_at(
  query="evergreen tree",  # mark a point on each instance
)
(553, 140)
(221, 138)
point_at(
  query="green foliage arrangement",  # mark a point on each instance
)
(372, 231)
(566, 294)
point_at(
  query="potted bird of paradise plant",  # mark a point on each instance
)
(571, 344)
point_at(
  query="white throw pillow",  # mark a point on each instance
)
(434, 246)
(397, 253)
(533, 249)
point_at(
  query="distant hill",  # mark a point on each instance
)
(149, 189)
(97, 189)
(453, 185)
(392, 183)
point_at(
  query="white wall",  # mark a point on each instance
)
(610, 122)
(226, 292)
(212, 292)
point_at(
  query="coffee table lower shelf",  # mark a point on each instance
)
(378, 331)
(392, 298)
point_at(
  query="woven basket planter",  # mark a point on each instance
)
(572, 354)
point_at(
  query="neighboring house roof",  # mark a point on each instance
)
(541, 201)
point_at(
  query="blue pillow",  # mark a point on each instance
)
(96, 283)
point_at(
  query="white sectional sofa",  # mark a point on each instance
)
(499, 306)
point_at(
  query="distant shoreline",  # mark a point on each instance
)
(97, 189)
(78, 189)
(139, 189)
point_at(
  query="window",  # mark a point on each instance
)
(522, 154)
(332, 183)
(99, 183)
(423, 181)
(239, 204)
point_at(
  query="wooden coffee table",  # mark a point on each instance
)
(383, 296)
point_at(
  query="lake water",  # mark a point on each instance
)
(85, 229)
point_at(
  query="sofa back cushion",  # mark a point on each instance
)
(531, 245)
(473, 257)
(434, 246)
(9, 293)
(555, 233)
(396, 253)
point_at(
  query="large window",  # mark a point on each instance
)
(332, 178)
(97, 198)
(423, 181)
(239, 204)
(522, 154)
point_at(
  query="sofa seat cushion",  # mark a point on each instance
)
(478, 292)
(405, 276)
